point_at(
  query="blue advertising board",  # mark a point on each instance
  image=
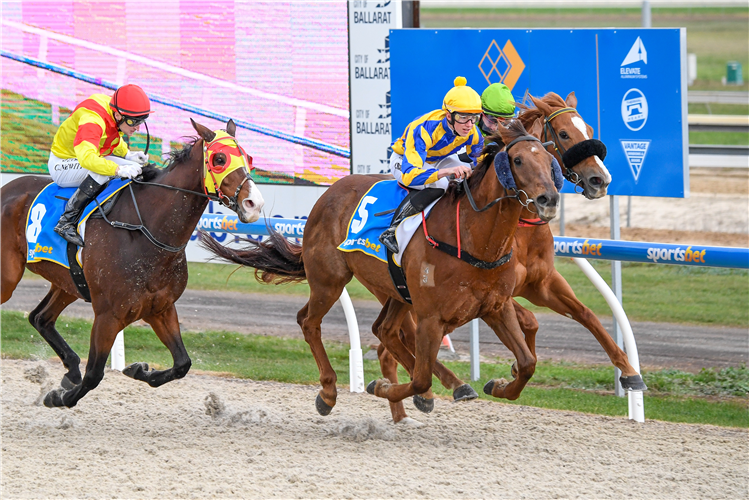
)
(630, 86)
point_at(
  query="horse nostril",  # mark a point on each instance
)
(542, 201)
(595, 181)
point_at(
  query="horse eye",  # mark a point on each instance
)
(220, 159)
(517, 161)
(564, 135)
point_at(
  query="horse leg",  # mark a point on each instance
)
(388, 364)
(12, 266)
(504, 322)
(309, 319)
(428, 339)
(448, 379)
(389, 333)
(103, 333)
(43, 319)
(166, 326)
(529, 324)
(557, 295)
(389, 369)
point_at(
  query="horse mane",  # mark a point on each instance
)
(493, 144)
(182, 154)
(532, 114)
(176, 156)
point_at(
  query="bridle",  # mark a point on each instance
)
(568, 173)
(219, 172)
(528, 199)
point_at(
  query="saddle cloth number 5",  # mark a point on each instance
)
(35, 228)
(358, 225)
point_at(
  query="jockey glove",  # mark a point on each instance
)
(137, 156)
(128, 170)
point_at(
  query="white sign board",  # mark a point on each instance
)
(370, 22)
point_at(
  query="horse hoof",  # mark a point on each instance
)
(409, 422)
(53, 399)
(633, 383)
(422, 404)
(66, 383)
(322, 407)
(371, 387)
(136, 371)
(488, 387)
(464, 393)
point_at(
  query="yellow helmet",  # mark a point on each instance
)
(461, 98)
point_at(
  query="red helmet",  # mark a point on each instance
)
(130, 100)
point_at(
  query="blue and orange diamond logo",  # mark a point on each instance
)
(502, 65)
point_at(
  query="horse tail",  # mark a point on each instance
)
(276, 260)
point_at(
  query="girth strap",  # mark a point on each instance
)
(76, 272)
(398, 277)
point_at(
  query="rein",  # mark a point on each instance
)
(140, 227)
(230, 202)
(457, 252)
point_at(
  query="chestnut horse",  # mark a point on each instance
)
(455, 292)
(131, 275)
(536, 278)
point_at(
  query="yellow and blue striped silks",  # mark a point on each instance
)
(426, 141)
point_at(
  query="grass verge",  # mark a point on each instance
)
(710, 397)
(651, 292)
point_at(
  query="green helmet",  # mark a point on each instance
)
(497, 100)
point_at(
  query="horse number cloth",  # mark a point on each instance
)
(43, 242)
(364, 228)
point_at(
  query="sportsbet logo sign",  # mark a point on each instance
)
(501, 65)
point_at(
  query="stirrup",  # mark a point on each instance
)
(387, 238)
(69, 234)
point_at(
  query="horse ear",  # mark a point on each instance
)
(571, 100)
(537, 128)
(207, 134)
(545, 108)
(231, 128)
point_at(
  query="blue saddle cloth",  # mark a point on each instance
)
(364, 228)
(48, 206)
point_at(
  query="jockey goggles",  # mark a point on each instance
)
(464, 118)
(134, 121)
(236, 158)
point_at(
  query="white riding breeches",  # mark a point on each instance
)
(451, 161)
(68, 172)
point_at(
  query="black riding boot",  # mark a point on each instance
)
(85, 193)
(414, 203)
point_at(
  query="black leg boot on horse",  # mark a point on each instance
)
(85, 193)
(412, 204)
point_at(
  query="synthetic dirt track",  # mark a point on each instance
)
(211, 437)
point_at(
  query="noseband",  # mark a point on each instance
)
(576, 153)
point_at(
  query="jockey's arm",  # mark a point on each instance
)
(415, 170)
(86, 147)
(475, 145)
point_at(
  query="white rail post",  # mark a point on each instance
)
(118, 352)
(355, 359)
(636, 405)
(475, 364)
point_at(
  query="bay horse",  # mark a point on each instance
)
(130, 276)
(455, 291)
(536, 277)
